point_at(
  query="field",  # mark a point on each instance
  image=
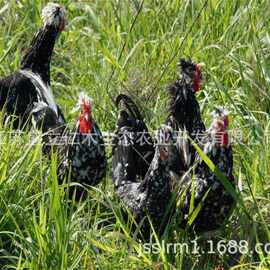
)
(114, 46)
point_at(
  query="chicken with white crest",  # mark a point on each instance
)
(31, 82)
(81, 152)
(87, 152)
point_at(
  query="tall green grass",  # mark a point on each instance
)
(133, 46)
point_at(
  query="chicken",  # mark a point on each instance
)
(81, 153)
(151, 196)
(185, 119)
(204, 185)
(31, 83)
(87, 154)
(143, 144)
(184, 112)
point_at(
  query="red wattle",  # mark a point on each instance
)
(225, 139)
(197, 85)
(85, 126)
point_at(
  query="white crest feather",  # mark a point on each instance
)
(83, 97)
(49, 16)
(219, 111)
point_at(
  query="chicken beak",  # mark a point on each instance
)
(200, 65)
(63, 25)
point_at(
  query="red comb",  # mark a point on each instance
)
(85, 122)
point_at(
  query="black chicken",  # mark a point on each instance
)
(151, 196)
(184, 112)
(143, 145)
(203, 186)
(81, 153)
(31, 83)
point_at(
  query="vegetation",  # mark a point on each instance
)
(113, 46)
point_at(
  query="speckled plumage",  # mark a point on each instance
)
(151, 196)
(82, 156)
(87, 157)
(218, 203)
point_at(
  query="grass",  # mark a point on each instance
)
(130, 45)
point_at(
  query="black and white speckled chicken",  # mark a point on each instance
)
(151, 196)
(87, 152)
(31, 82)
(203, 186)
(80, 152)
